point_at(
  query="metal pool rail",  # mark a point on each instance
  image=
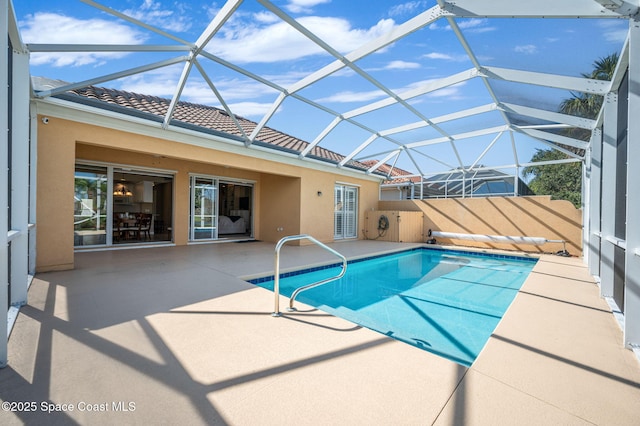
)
(276, 275)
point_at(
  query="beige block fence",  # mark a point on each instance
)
(534, 216)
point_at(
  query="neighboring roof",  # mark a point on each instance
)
(394, 174)
(202, 117)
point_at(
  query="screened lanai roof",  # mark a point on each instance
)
(424, 86)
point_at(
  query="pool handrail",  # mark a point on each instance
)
(276, 274)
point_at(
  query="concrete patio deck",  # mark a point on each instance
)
(173, 335)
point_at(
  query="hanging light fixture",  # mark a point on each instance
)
(121, 189)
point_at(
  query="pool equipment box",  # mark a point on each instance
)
(394, 226)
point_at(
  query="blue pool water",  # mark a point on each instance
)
(443, 301)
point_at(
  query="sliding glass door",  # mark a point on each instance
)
(220, 208)
(142, 206)
(204, 208)
(114, 206)
(90, 205)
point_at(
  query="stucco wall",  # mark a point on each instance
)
(536, 216)
(285, 195)
(280, 213)
(54, 194)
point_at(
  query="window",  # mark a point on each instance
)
(345, 212)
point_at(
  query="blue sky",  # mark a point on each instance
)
(259, 42)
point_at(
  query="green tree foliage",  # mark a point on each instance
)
(561, 181)
(564, 181)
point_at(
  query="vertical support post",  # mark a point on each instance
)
(20, 178)
(632, 258)
(276, 280)
(33, 156)
(609, 175)
(4, 182)
(592, 231)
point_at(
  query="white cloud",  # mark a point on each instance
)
(527, 49)
(402, 65)
(150, 12)
(436, 27)
(250, 109)
(453, 92)
(446, 57)
(265, 17)
(408, 8)
(243, 42)
(303, 6)
(53, 28)
(397, 65)
(349, 96)
(472, 25)
(240, 94)
(466, 24)
(614, 31)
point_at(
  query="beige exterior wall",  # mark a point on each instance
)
(285, 195)
(54, 194)
(536, 216)
(404, 226)
(281, 208)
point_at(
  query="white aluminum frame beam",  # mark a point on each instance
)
(13, 31)
(4, 183)
(459, 136)
(467, 48)
(632, 255)
(136, 22)
(553, 137)
(186, 70)
(574, 84)
(593, 176)
(537, 9)
(556, 117)
(321, 136)
(425, 88)
(283, 90)
(41, 48)
(441, 119)
(412, 25)
(389, 156)
(109, 77)
(359, 149)
(216, 23)
(314, 38)
(221, 100)
(20, 185)
(486, 150)
(609, 176)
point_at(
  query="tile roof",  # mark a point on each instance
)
(204, 117)
(393, 172)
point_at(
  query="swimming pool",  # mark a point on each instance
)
(443, 301)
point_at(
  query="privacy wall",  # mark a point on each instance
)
(536, 216)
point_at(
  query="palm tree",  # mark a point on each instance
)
(588, 105)
(564, 181)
